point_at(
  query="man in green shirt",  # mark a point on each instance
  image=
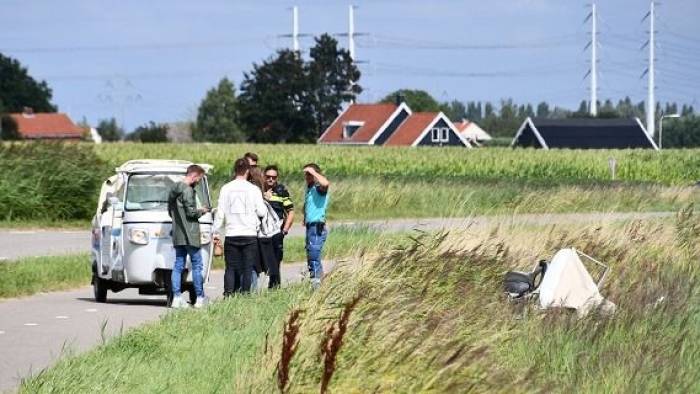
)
(182, 208)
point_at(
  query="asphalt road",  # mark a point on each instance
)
(36, 331)
(23, 243)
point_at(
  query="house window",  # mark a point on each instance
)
(444, 134)
(349, 128)
(435, 134)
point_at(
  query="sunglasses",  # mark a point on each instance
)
(271, 176)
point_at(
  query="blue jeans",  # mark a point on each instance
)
(181, 253)
(314, 247)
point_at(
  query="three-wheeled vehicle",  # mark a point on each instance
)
(131, 230)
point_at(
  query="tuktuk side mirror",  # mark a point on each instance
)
(117, 207)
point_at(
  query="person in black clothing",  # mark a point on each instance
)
(278, 197)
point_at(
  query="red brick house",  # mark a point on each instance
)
(46, 126)
(391, 125)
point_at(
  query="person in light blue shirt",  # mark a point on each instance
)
(315, 206)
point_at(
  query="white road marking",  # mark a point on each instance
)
(3, 258)
(61, 317)
(91, 310)
(2, 332)
(23, 232)
(30, 324)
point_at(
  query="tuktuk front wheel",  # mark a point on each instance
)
(99, 288)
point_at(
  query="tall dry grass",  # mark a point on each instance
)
(432, 316)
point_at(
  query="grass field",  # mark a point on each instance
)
(368, 182)
(429, 316)
(670, 167)
(32, 275)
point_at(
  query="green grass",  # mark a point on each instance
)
(428, 315)
(431, 317)
(678, 167)
(36, 274)
(187, 351)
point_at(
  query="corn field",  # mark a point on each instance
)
(670, 167)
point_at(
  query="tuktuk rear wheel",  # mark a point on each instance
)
(99, 288)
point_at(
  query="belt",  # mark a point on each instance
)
(315, 223)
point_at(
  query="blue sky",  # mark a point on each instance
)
(155, 60)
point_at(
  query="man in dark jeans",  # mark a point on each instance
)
(182, 208)
(241, 206)
(278, 197)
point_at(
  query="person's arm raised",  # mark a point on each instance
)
(323, 182)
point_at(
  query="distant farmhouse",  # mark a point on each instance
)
(472, 132)
(46, 126)
(392, 124)
(583, 134)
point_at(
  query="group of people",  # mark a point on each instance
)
(254, 214)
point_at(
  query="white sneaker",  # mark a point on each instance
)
(315, 283)
(178, 303)
(201, 302)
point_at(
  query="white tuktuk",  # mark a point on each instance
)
(132, 230)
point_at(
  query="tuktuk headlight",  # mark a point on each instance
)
(138, 236)
(205, 237)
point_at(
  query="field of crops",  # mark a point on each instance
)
(671, 167)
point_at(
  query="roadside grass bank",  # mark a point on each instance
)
(186, 351)
(40, 274)
(428, 315)
(431, 317)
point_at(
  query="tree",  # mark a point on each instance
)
(455, 110)
(333, 80)
(417, 100)
(682, 133)
(150, 132)
(109, 130)
(543, 110)
(275, 103)
(19, 90)
(217, 117)
(8, 129)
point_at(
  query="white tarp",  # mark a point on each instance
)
(568, 284)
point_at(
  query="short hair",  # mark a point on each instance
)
(273, 168)
(241, 166)
(314, 166)
(194, 168)
(251, 156)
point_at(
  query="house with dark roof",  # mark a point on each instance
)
(392, 125)
(583, 134)
(42, 126)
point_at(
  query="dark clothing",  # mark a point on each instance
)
(273, 269)
(266, 254)
(280, 202)
(240, 254)
(282, 205)
(182, 208)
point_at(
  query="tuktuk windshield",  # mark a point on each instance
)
(150, 192)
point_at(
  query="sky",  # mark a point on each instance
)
(141, 61)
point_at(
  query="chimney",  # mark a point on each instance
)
(400, 98)
(28, 112)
